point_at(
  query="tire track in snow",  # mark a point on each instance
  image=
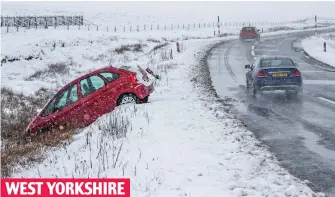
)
(226, 63)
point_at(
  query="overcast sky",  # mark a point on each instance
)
(232, 10)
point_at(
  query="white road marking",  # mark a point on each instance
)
(252, 49)
(329, 101)
(319, 82)
(313, 71)
(267, 50)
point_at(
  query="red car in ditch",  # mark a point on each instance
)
(82, 101)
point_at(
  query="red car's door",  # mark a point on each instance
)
(93, 91)
(62, 109)
(68, 108)
(113, 89)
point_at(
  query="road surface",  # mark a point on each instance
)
(300, 131)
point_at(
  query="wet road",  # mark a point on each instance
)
(299, 131)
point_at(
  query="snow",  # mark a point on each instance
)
(170, 12)
(177, 144)
(181, 142)
(166, 29)
(167, 15)
(314, 47)
(81, 51)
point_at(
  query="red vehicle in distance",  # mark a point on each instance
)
(248, 33)
(82, 101)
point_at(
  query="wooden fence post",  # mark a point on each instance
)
(46, 22)
(16, 24)
(55, 22)
(78, 21)
(97, 27)
(29, 20)
(35, 22)
(114, 28)
(7, 21)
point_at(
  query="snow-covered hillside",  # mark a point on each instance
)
(182, 143)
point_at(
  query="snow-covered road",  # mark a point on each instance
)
(299, 132)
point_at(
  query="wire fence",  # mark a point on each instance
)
(14, 24)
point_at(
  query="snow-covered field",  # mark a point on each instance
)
(27, 56)
(165, 26)
(148, 17)
(314, 46)
(182, 143)
(79, 51)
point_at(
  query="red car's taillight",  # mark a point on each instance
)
(261, 74)
(133, 78)
(296, 74)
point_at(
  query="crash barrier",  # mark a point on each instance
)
(78, 22)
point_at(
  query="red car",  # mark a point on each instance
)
(83, 100)
(249, 33)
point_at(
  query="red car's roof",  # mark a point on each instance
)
(108, 68)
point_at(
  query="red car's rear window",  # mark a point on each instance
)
(248, 29)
